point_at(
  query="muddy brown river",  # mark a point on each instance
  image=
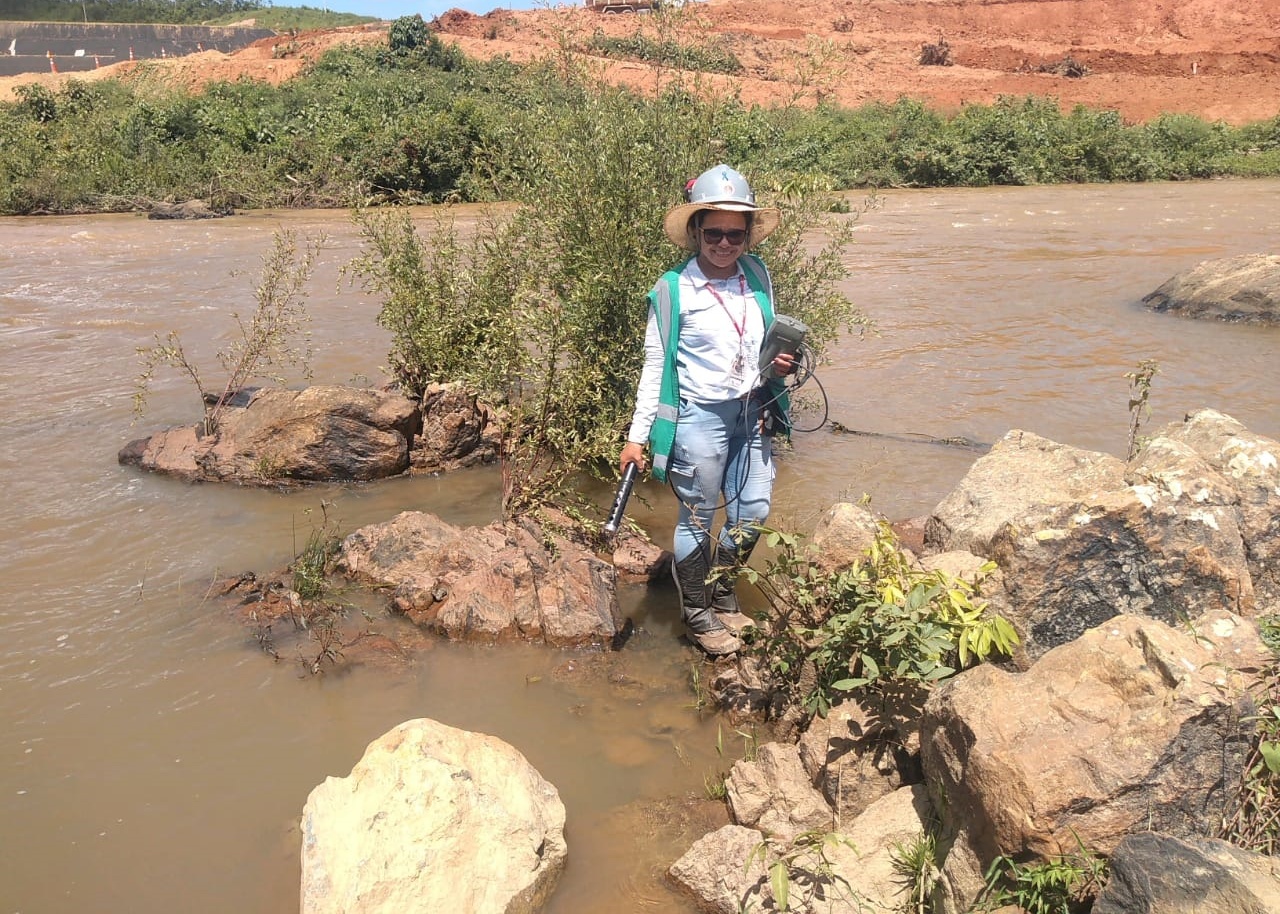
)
(154, 759)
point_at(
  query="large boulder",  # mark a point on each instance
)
(1158, 873)
(1243, 288)
(1168, 546)
(1022, 470)
(500, 582)
(279, 437)
(1080, 537)
(433, 819)
(1132, 727)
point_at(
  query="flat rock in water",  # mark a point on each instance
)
(1242, 289)
(192, 209)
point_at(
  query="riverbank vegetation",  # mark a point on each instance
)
(377, 125)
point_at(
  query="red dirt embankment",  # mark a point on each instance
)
(1219, 59)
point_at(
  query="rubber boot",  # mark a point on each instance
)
(723, 599)
(705, 630)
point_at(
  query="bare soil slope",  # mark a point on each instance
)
(1219, 59)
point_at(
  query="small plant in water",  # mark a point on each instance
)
(1139, 408)
(266, 341)
(311, 566)
(325, 633)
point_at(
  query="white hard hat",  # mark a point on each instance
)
(720, 188)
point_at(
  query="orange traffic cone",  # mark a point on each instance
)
(53, 65)
(96, 64)
(131, 53)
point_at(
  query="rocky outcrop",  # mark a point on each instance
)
(1245, 289)
(1132, 727)
(1159, 873)
(1130, 712)
(1190, 525)
(433, 819)
(283, 437)
(495, 583)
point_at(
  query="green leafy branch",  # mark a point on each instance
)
(880, 624)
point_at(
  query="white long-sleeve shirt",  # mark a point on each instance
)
(711, 313)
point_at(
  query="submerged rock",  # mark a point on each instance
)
(191, 209)
(497, 583)
(1242, 289)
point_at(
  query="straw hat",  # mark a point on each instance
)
(724, 189)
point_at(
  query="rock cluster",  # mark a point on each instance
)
(1122, 726)
(325, 433)
(505, 581)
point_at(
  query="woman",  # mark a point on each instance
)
(702, 405)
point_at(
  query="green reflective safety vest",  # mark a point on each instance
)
(664, 299)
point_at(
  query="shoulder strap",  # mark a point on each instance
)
(761, 284)
(665, 298)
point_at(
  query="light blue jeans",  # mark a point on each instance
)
(719, 452)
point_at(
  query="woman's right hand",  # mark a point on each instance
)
(632, 453)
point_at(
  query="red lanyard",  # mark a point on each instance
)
(742, 289)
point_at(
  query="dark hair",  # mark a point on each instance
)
(695, 223)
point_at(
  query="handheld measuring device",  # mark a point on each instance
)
(785, 334)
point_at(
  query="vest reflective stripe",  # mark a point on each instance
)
(664, 299)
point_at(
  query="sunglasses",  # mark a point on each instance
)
(715, 236)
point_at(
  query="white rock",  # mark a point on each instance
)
(432, 819)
